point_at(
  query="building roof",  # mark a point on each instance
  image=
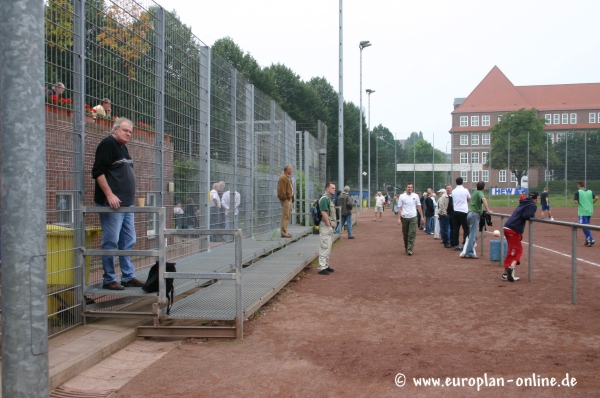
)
(495, 93)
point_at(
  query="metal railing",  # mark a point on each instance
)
(159, 253)
(573, 226)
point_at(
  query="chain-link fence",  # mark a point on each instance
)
(198, 125)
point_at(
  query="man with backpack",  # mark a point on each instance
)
(326, 227)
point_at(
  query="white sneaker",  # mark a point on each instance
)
(551, 218)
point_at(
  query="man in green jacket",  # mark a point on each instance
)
(585, 209)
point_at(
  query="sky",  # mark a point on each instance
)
(424, 53)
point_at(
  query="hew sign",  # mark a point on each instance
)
(507, 191)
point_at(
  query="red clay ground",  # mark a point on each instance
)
(432, 315)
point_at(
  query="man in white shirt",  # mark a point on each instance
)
(215, 210)
(379, 199)
(409, 205)
(460, 198)
(225, 202)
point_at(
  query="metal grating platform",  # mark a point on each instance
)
(260, 282)
(220, 259)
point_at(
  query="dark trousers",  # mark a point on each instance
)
(445, 228)
(459, 220)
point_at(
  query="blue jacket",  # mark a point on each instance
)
(524, 211)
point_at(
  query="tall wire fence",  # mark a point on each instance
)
(198, 125)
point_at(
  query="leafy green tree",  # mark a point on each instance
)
(525, 131)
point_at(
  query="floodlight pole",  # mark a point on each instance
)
(361, 45)
(341, 105)
(369, 92)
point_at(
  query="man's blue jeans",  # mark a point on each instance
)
(346, 220)
(118, 233)
(445, 229)
(473, 221)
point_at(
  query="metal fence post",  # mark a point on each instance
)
(23, 233)
(574, 265)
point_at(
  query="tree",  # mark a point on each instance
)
(581, 152)
(525, 131)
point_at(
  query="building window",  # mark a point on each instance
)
(464, 121)
(484, 157)
(485, 175)
(464, 140)
(152, 227)
(565, 118)
(598, 117)
(573, 118)
(475, 139)
(549, 175)
(475, 157)
(485, 139)
(485, 120)
(548, 118)
(556, 119)
(593, 117)
(475, 176)
(499, 118)
(475, 121)
(551, 137)
(502, 176)
(64, 208)
(464, 157)
(513, 178)
(463, 175)
(560, 137)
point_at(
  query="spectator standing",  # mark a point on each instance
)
(421, 220)
(409, 206)
(346, 205)
(437, 230)
(513, 231)
(285, 193)
(231, 215)
(102, 109)
(379, 199)
(115, 187)
(545, 203)
(460, 199)
(214, 207)
(395, 204)
(523, 195)
(429, 213)
(585, 209)
(178, 215)
(444, 216)
(326, 227)
(476, 205)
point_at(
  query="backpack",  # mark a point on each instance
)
(316, 212)
(151, 285)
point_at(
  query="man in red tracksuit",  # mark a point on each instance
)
(513, 231)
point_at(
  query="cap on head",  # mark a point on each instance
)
(533, 195)
(441, 190)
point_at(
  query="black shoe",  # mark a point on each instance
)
(510, 274)
(448, 246)
(324, 272)
(133, 283)
(458, 248)
(113, 286)
(329, 269)
(409, 252)
(351, 237)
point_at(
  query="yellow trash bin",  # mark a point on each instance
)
(364, 202)
(60, 275)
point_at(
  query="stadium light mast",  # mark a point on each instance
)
(361, 45)
(369, 92)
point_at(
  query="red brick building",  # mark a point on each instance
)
(566, 107)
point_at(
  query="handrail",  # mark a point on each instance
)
(572, 225)
(160, 253)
